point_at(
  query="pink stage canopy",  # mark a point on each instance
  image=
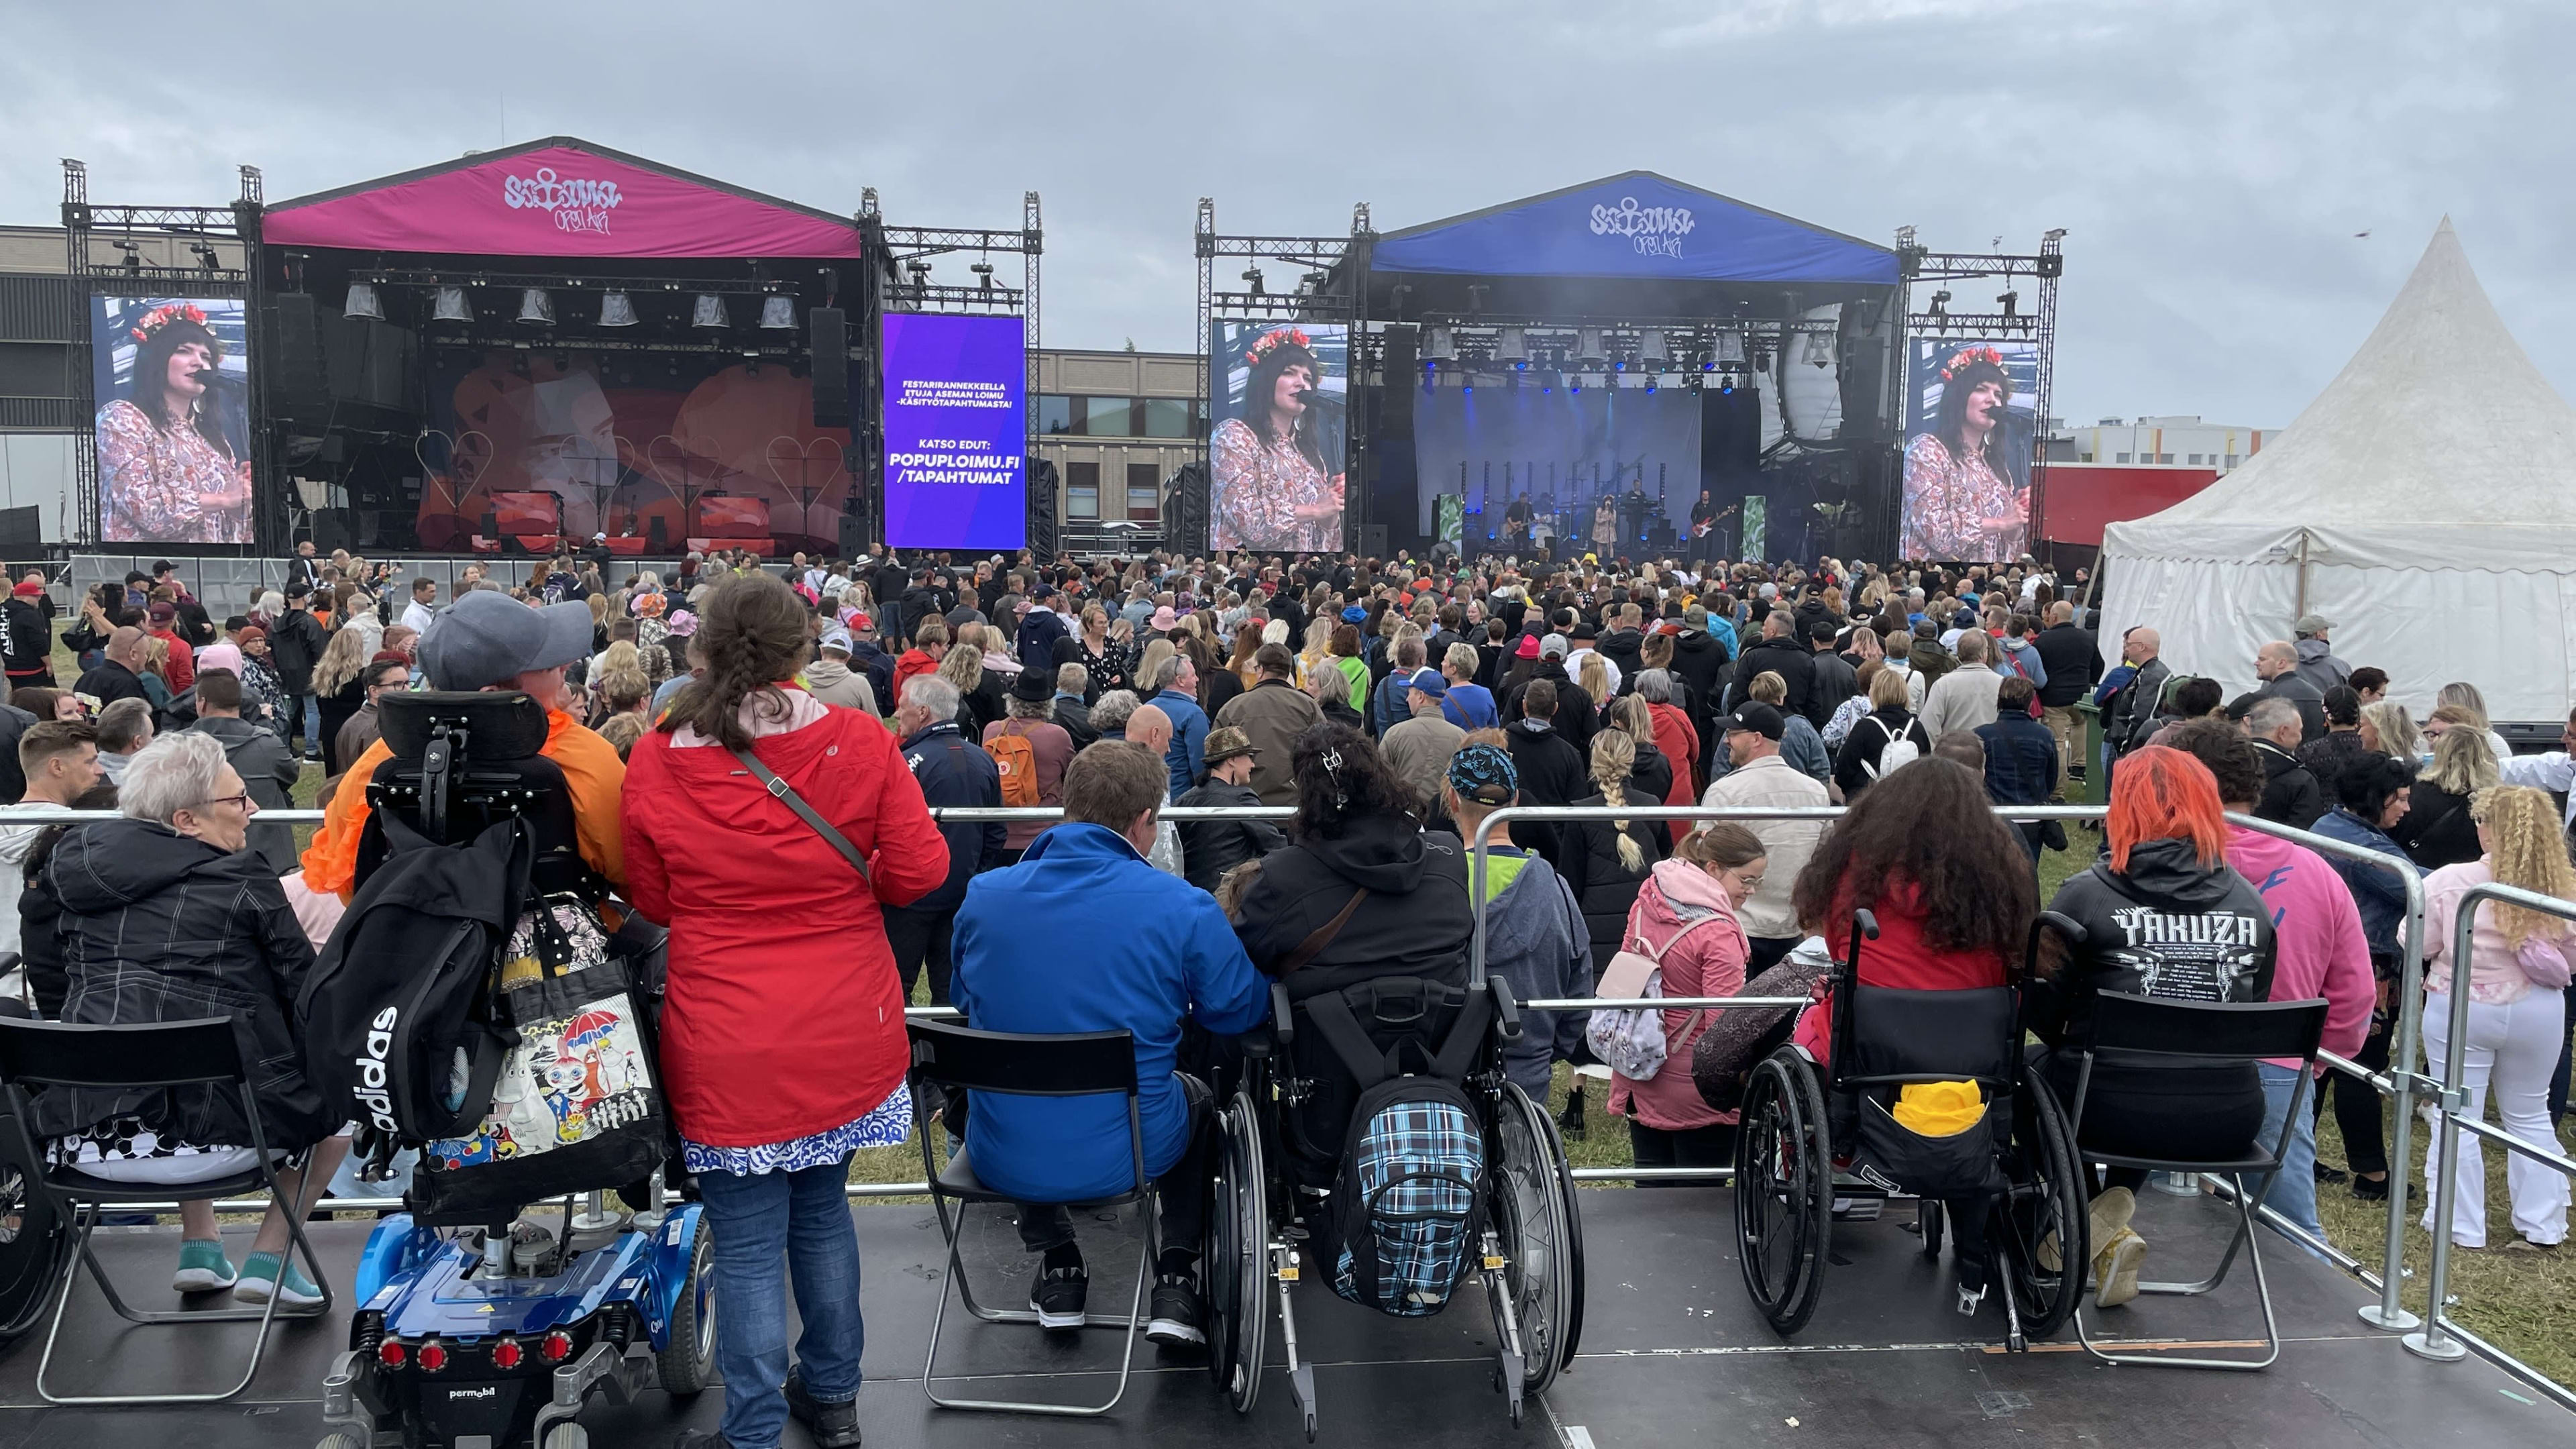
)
(559, 197)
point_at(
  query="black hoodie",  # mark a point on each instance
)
(1790, 658)
(2169, 926)
(1414, 922)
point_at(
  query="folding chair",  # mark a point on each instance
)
(1072, 1064)
(2224, 1031)
(135, 1058)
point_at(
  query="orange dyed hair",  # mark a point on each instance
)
(2161, 793)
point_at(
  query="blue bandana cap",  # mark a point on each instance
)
(1483, 775)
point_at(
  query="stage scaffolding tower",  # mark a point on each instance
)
(86, 226)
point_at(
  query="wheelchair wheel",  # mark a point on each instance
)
(1235, 1258)
(35, 1241)
(1784, 1189)
(1533, 1218)
(2047, 1201)
(1928, 1221)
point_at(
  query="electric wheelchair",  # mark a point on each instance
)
(1284, 1109)
(1813, 1133)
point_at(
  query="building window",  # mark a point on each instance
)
(2124, 457)
(2231, 460)
(1082, 490)
(2193, 459)
(2083, 457)
(1106, 417)
(1169, 417)
(2164, 457)
(1144, 492)
(1055, 414)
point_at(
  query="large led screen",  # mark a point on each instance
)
(956, 432)
(1280, 432)
(172, 381)
(1971, 417)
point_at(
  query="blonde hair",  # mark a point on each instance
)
(342, 661)
(963, 667)
(2394, 728)
(1596, 676)
(2459, 695)
(623, 729)
(2463, 763)
(1771, 689)
(2527, 851)
(1614, 755)
(1633, 715)
(1888, 690)
(1156, 651)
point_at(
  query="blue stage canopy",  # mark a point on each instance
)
(1636, 225)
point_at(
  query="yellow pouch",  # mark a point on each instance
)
(1939, 1109)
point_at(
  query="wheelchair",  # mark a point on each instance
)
(1283, 1111)
(1811, 1135)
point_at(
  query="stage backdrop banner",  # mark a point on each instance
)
(1563, 452)
(557, 201)
(1970, 421)
(1279, 436)
(171, 376)
(956, 432)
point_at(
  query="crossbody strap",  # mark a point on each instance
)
(1322, 936)
(788, 797)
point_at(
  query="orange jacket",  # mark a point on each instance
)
(590, 767)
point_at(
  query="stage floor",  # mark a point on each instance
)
(1672, 1353)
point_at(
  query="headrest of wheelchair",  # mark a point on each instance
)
(498, 725)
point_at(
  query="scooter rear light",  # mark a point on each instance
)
(555, 1347)
(507, 1353)
(433, 1356)
(391, 1353)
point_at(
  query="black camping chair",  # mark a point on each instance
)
(2222, 1031)
(135, 1058)
(1072, 1064)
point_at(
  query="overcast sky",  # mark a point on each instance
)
(2210, 159)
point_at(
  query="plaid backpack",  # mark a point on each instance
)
(1407, 1215)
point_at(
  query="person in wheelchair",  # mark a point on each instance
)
(1129, 948)
(1535, 937)
(1952, 891)
(2163, 915)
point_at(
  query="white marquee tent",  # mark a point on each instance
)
(2425, 503)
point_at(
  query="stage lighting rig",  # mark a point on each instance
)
(451, 306)
(2009, 303)
(983, 276)
(536, 308)
(206, 256)
(1252, 281)
(1587, 347)
(1440, 345)
(1651, 348)
(1941, 302)
(362, 304)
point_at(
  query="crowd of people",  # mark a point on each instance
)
(1394, 708)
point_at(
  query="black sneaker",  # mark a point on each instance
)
(2370, 1189)
(2328, 1174)
(1057, 1296)
(1176, 1314)
(833, 1426)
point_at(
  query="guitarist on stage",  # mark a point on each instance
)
(1516, 526)
(1704, 519)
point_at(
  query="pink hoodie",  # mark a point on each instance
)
(2321, 950)
(1709, 963)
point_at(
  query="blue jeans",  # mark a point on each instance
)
(803, 1218)
(2294, 1188)
(312, 707)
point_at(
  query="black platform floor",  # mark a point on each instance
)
(1672, 1353)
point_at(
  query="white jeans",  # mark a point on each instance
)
(2515, 1047)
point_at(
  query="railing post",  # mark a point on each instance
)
(2431, 1341)
(2388, 1313)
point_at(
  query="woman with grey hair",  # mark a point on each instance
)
(166, 916)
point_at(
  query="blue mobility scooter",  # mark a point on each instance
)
(537, 1261)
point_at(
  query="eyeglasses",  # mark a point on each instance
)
(243, 800)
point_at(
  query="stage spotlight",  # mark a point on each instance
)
(616, 310)
(2010, 302)
(362, 303)
(1587, 346)
(778, 314)
(1726, 390)
(983, 279)
(1441, 346)
(1730, 347)
(451, 306)
(536, 309)
(709, 312)
(1252, 280)
(1650, 384)
(1650, 346)
(1574, 384)
(1941, 302)
(1514, 346)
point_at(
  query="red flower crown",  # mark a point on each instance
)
(163, 316)
(1273, 339)
(1969, 356)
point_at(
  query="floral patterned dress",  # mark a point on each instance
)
(1948, 500)
(153, 484)
(1259, 490)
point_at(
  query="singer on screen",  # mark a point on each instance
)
(1960, 502)
(1273, 490)
(166, 472)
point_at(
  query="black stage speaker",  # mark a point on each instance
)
(369, 363)
(22, 532)
(296, 370)
(331, 529)
(1395, 411)
(1042, 486)
(854, 535)
(1185, 510)
(829, 331)
(1373, 540)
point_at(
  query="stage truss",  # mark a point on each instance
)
(2044, 267)
(1319, 256)
(911, 250)
(85, 226)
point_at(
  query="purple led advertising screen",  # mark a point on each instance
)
(956, 433)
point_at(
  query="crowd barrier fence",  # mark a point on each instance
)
(2443, 1097)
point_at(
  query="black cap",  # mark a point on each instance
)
(1759, 718)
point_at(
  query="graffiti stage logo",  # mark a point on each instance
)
(1657, 231)
(577, 204)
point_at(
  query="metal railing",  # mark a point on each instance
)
(2441, 1338)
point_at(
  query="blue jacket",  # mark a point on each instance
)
(1187, 754)
(2376, 893)
(953, 770)
(1083, 935)
(2021, 759)
(1039, 631)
